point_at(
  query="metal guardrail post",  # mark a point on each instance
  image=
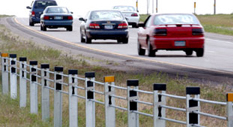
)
(192, 105)
(133, 118)
(110, 112)
(229, 99)
(5, 75)
(13, 76)
(159, 100)
(58, 79)
(73, 101)
(90, 105)
(33, 88)
(45, 108)
(23, 82)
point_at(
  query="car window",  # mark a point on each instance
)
(44, 4)
(147, 21)
(124, 8)
(57, 10)
(99, 15)
(176, 19)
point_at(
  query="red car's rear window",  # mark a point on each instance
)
(175, 19)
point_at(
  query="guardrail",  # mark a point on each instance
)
(30, 73)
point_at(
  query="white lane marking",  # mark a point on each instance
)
(228, 42)
(107, 52)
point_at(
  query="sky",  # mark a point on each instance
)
(80, 7)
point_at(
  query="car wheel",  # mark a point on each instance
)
(31, 23)
(41, 28)
(118, 41)
(125, 40)
(151, 52)
(44, 28)
(189, 52)
(135, 25)
(140, 50)
(88, 40)
(200, 52)
(81, 37)
(70, 28)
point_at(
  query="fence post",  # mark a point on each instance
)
(110, 115)
(13, 76)
(159, 100)
(33, 87)
(90, 105)
(192, 105)
(5, 77)
(229, 110)
(23, 82)
(73, 101)
(133, 118)
(58, 80)
(45, 92)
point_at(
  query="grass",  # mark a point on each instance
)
(220, 23)
(12, 115)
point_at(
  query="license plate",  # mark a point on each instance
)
(108, 27)
(58, 17)
(179, 43)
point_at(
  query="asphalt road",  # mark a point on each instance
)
(216, 65)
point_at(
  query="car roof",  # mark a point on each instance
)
(106, 10)
(172, 14)
(44, 0)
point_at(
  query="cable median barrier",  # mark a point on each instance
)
(33, 76)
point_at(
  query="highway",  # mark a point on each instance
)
(216, 65)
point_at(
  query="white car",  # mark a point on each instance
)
(130, 13)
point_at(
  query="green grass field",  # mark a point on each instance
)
(12, 115)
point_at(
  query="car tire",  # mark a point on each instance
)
(189, 52)
(141, 51)
(81, 37)
(70, 28)
(135, 25)
(151, 52)
(118, 41)
(31, 23)
(200, 52)
(88, 40)
(41, 28)
(125, 40)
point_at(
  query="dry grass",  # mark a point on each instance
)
(12, 115)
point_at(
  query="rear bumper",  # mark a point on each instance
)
(58, 23)
(133, 20)
(169, 44)
(35, 19)
(102, 34)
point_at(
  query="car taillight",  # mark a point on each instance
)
(33, 13)
(94, 26)
(122, 26)
(46, 17)
(70, 17)
(134, 14)
(198, 31)
(160, 32)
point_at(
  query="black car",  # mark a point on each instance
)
(36, 9)
(104, 24)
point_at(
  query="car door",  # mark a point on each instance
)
(144, 32)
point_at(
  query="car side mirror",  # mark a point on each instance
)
(137, 10)
(28, 7)
(141, 24)
(82, 19)
(126, 18)
(72, 12)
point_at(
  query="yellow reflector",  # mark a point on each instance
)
(109, 79)
(4, 54)
(230, 97)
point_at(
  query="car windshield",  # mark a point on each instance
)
(44, 4)
(124, 8)
(100, 15)
(57, 10)
(175, 19)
